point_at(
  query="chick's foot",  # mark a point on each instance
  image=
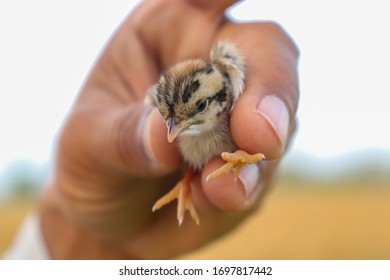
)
(235, 160)
(181, 192)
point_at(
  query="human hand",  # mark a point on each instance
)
(114, 160)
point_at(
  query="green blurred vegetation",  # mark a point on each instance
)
(22, 179)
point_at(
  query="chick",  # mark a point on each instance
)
(196, 97)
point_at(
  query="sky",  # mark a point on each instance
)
(344, 71)
(47, 48)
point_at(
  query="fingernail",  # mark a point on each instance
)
(275, 112)
(249, 177)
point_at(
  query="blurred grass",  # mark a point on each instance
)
(312, 222)
(12, 214)
(339, 221)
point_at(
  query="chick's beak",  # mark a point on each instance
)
(174, 129)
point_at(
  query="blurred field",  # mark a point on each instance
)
(332, 222)
(295, 222)
(12, 214)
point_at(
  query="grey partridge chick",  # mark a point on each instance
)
(195, 97)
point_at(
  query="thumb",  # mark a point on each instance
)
(131, 139)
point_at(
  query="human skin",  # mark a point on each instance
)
(113, 158)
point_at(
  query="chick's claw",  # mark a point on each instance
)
(235, 160)
(181, 192)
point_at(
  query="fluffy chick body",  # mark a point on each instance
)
(196, 97)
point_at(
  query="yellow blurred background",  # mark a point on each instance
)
(296, 221)
(302, 222)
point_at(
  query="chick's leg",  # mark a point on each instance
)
(181, 192)
(235, 160)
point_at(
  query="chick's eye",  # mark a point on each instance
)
(202, 106)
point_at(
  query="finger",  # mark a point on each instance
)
(147, 243)
(182, 21)
(230, 194)
(141, 139)
(217, 7)
(128, 139)
(264, 116)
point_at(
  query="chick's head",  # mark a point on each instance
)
(192, 96)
